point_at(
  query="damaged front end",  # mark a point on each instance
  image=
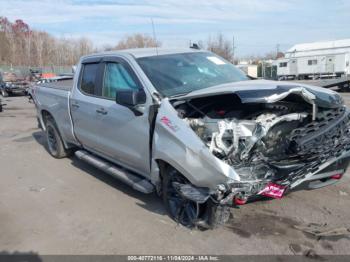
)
(274, 139)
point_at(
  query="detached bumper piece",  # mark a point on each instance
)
(195, 194)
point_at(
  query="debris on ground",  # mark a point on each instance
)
(343, 193)
(295, 248)
(313, 255)
(36, 189)
(323, 230)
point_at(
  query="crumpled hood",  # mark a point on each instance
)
(259, 91)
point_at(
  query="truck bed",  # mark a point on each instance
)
(65, 84)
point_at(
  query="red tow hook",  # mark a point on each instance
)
(239, 201)
(337, 176)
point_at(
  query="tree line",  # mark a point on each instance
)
(22, 46)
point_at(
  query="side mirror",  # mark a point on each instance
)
(131, 99)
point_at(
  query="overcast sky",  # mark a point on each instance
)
(258, 25)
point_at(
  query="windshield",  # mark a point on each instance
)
(183, 73)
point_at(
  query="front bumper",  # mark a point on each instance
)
(328, 174)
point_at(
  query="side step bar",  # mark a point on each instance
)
(136, 182)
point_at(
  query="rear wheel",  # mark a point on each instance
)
(54, 141)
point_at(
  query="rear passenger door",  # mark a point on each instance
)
(83, 104)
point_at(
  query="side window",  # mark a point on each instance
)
(283, 64)
(312, 62)
(117, 77)
(88, 78)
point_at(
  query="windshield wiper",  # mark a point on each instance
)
(181, 94)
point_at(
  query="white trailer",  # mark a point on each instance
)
(315, 60)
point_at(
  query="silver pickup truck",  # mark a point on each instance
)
(190, 126)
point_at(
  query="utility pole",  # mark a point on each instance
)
(154, 36)
(233, 49)
(277, 50)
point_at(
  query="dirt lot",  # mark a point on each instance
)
(64, 206)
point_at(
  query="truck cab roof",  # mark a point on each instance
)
(146, 52)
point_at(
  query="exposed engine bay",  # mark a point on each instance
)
(280, 139)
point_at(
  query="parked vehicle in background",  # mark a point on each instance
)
(38, 77)
(35, 74)
(192, 127)
(1, 106)
(11, 84)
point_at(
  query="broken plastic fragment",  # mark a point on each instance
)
(323, 230)
(273, 190)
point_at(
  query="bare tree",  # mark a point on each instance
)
(22, 46)
(5, 48)
(137, 41)
(221, 46)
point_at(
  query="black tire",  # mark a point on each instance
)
(4, 93)
(55, 144)
(188, 213)
(185, 212)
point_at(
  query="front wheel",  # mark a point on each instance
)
(183, 211)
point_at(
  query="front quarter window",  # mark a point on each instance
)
(183, 73)
(117, 77)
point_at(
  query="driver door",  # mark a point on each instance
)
(123, 136)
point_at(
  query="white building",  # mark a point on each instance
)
(248, 68)
(322, 59)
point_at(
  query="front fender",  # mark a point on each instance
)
(177, 144)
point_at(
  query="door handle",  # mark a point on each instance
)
(102, 111)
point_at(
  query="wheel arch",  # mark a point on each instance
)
(45, 115)
(163, 165)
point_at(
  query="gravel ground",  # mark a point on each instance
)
(50, 206)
